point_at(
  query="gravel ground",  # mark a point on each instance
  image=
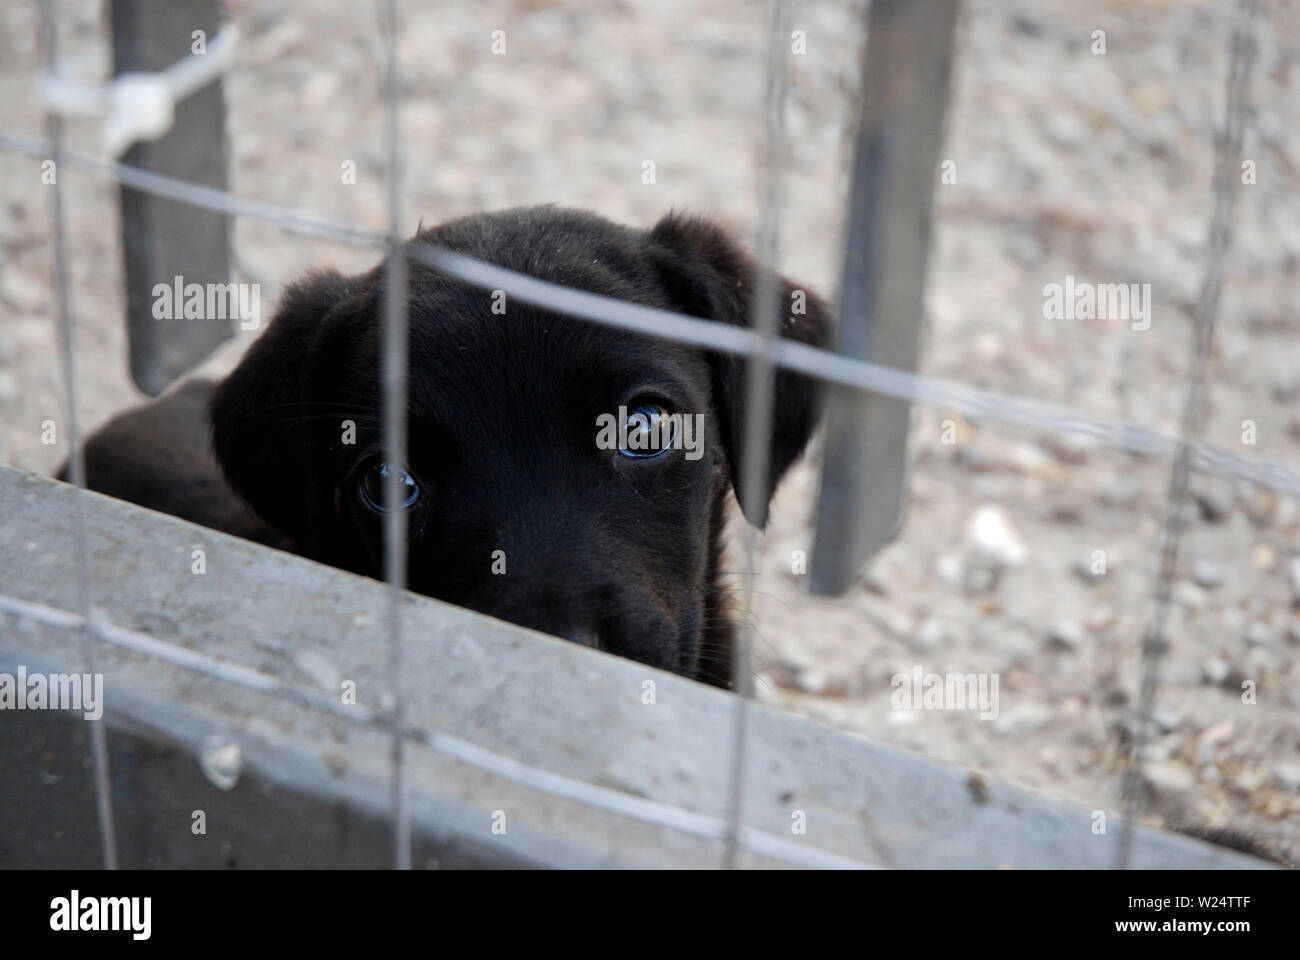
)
(1068, 163)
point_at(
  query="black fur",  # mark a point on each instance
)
(614, 552)
(160, 456)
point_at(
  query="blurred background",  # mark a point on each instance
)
(1067, 163)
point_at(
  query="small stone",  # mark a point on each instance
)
(900, 624)
(1259, 502)
(1023, 244)
(993, 540)
(1166, 719)
(1207, 572)
(1084, 570)
(1160, 750)
(1288, 513)
(875, 581)
(903, 717)
(1050, 761)
(1073, 509)
(1101, 618)
(929, 637)
(1021, 720)
(1259, 660)
(1024, 458)
(935, 632)
(1258, 634)
(1214, 498)
(1215, 671)
(1022, 23)
(1210, 738)
(1293, 631)
(1189, 595)
(1120, 491)
(1065, 635)
(795, 657)
(1286, 386)
(1263, 556)
(1019, 644)
(981, 579)
(811, 681)
(974, 459)
(1066, 128)
(979, 787)
(221, 761)
(1287, 777)
(1068, 447)
(1257, 606)
(1249, 780)
(948, 567)
(20, 289)
(1168, 780)
(988, 348)
(1293, 571)
(996, 485)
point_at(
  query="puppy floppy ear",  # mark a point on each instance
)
(266, 431)
(707, 274)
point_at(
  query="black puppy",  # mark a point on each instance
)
(518, 502)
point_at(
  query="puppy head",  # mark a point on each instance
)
(561, 474)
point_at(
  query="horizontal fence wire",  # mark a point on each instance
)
(628, 805)
(195, 195)
(972, 402)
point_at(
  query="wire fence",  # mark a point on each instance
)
(1186, 451)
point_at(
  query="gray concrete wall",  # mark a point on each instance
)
(495, 714)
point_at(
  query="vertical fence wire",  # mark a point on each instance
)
(394, 380)
(76, 455)
(760, 386)
(1154, 645)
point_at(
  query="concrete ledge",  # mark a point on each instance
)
(496, 714)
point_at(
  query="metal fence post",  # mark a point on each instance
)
(164, 239)
(907, 61)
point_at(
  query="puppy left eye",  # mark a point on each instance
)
(374, 480)
(649, 431)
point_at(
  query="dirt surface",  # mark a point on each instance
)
(1068, 163)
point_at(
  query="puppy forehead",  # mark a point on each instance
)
(461, 355)
(471, 345)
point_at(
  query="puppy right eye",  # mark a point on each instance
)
(375, 479)
(650, 433)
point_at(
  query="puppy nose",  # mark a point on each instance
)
(583, 637)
